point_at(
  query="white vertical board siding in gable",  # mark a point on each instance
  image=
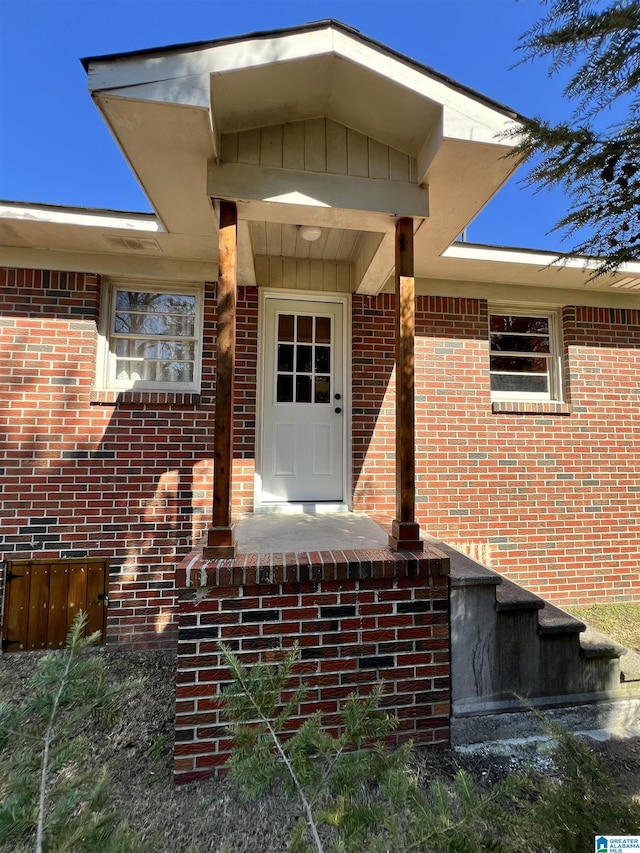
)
(337, 157)
(315, 145)
(271, 146)
(319, 145)
(293, 146)
(303, 274)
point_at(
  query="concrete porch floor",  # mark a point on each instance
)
(297, 532)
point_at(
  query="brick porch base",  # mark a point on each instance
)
(358, 616)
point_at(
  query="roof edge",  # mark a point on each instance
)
(304, 28)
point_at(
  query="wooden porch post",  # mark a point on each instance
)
(221, 538)
(405, 533)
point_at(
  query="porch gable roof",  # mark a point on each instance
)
(177, 105)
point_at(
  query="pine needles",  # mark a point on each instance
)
(50, 799)
(594, 155)
(359, 797)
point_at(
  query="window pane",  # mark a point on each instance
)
(523, 383)
(154, 324)
(515, 364)
(305, 329)
(284, 389)
(517, 343)
(285, 357)
(170, 314)
(303, 358)
(303, 389)
(154, 370)
(323, 359)
(285, 327)
(523, 325)
(132, 348)
(175, 371)
(128, 369)
(323, 330)
(323, 389)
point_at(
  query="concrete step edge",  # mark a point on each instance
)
(510, 596)
(552, 621)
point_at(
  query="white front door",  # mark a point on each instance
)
(303, 401)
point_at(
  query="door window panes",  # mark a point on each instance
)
(285, 357)
(303, 389)
(303, 359)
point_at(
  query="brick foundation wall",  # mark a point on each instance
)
(125, 477)
(553, 500)
(357, 616)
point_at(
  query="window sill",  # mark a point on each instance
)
(530, 407)
(155, 398)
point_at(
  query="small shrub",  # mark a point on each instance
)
(50, 800)
(359, 797)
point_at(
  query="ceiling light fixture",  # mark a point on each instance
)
(310, 233)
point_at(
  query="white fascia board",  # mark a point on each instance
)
(467, 252)
(124, 221)
(470, 127)
(189, 66)
(217, 59)
(531, 257)
(192, 91)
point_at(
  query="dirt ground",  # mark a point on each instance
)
(212, 815)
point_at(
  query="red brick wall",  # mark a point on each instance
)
(392, 623)
(86, 474)
(552, 500)
(373, 403)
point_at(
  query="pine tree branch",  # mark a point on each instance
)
(594, 155)
(311, 824)
(78, 625)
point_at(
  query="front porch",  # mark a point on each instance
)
(359, 612)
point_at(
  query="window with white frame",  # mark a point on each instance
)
(153, 337)
(525, 353)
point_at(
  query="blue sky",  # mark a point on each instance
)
(54, 147)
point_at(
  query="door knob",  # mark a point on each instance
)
(337, 410)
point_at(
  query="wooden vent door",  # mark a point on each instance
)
(42, 598)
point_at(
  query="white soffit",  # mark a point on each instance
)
(474, 263)
(336, 70)
(168, 150)
(113, 242)
(70, 216)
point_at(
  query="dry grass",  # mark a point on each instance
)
(621, 622)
